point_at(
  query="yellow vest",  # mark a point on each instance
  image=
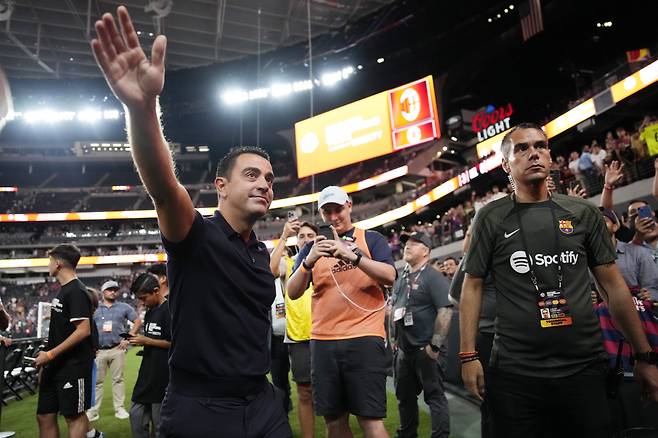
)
(298, 312)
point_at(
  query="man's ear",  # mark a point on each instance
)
(506, 166)
(220, 186)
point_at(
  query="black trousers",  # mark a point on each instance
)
(484, 343)
(415, 371)
(257, 416)
(630, 411)
(537, 407)
(281, 368)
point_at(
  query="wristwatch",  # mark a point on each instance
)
(306, 266)
(435, 348)
(649, 357)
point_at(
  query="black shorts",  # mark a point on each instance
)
(349, 376)
(300, 361)
(69, 397)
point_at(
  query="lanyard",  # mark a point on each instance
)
(533, 277)
(409, 283)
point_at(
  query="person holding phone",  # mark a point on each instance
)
(111, 319)
(278, 347)
(298, 327)
(153, 375)
(640, 228)
(348, 272)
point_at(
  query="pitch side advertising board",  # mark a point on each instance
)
(377, 125)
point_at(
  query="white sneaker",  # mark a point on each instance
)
(121, 414)
(92, 417)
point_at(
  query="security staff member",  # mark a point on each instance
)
(421, 315)
(547, 365)
(153, 375)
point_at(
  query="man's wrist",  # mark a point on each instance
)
(143, 108)
(648, 357)
(607, 186)
(306, 265)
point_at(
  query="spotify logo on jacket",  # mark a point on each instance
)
(519, 261)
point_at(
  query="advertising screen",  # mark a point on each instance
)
(368, 128)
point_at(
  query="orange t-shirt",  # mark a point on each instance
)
(335, 317)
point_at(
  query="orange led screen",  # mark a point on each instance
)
(368, 128)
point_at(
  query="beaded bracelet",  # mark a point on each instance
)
(467, 354)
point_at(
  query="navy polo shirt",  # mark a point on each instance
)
(221, 290)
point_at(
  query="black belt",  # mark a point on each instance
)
(109, 347)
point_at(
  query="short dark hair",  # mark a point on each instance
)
(311, 226)
(158, 269)
(145, 283)
(69, 254)
(93, 296)
(450, 258)
(225, 165)
(506, 144)
(633, 201)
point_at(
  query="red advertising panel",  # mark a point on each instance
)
(413, 114)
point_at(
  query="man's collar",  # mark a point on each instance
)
(230, 232)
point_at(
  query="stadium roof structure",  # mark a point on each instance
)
(50, 39)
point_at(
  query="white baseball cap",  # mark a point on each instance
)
(332, 195)
(110, 285)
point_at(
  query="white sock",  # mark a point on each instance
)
(91, 433)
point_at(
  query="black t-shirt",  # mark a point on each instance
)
(427, 291)
(488, 305)
(71, 304)
(153, 374)
(95, 342)
(221, 291)
(521, 345)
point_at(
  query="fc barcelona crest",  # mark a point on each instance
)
(566, 227)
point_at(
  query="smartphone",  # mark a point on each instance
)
(644, 212)
(555, 176)
(326, 231)
(292, 216)
(125, 335)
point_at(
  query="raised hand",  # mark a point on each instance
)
(577, 192)
(134, 80)
(290, 228)
(613, 173)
